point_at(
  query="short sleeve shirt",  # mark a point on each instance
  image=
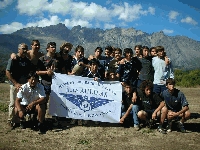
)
(27, 94)
(148, 103)
(174, 101)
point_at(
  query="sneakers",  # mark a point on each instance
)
(136, 127)
(169, 127)
(161, 130)
(181, 127)
(11, 124)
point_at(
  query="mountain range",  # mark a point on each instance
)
(183, 51)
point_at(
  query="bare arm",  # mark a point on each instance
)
(9, 76)
(162, 104)
(126, 114)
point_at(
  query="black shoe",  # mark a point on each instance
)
(22, 124)
(161, 130)
(41, 127)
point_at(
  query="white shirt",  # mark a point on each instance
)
(161, 71)
(28, 95)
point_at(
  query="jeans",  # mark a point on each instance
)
(159, 88)
(135, 110)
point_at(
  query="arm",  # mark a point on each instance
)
(36, 102)
(162, 104)
(9, 76)
(126, 114)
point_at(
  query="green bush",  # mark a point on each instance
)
(187, 78)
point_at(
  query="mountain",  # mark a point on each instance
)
(183, 51)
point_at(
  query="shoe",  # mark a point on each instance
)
(80, 122)
(73, 121)
(22, 124)
(169, 127)
(150, 123)
(11, 124)
(41, 127)
(136, 127)
(181, 127)
(161, 130)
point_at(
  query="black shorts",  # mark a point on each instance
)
(32, 111)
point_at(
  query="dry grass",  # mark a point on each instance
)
(106, 136)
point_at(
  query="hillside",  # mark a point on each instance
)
(183, 51)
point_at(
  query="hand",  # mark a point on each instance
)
(96, 78)
(50, 72)
(121, 120)
(123, 83)
(17, 86)
(172, 114)
(30, 106)
(154, 116)
(134, 98)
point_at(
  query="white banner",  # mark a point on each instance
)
(83, 98)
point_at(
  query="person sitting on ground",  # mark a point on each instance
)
(31, 99)
(176, 104)
(151, 105)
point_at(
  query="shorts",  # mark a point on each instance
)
(32, 111)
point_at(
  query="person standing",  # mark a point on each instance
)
(17, 71)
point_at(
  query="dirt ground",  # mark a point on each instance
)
(104, 136)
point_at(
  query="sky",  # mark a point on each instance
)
(173, 17)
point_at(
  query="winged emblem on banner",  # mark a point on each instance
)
(84, 103)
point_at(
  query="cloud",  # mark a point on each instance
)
(54, 20)
(109, 26)
(31, 7)
(130, 13)
(173, 15)
(71, 23)
(5, 3)
(10, 28)
(151, 10)
(189, 20)
(166, 31)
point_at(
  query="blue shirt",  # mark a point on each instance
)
(174, 101)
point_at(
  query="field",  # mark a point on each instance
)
(104, 136)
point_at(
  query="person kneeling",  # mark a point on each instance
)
(176, 104)
(30, 99)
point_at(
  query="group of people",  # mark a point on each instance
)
(146, 75)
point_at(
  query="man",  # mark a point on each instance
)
(17, 71)
(162, 70)
(176, 105)
(129, 105)
(34, 54)
(30, 99)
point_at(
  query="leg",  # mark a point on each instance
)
(13, 93)
(135, 110)
(142, 115)
(40, 109)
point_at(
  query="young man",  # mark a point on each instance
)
(151, 105)
(147, 71)
(128, 105)
(129, 68)
(34, 54)
(31, 99)
(17, 71)
(79, 62)
(176, 104)
(66, 58)
(162, 70)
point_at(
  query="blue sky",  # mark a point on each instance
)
(173, 17)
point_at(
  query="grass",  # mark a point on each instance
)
(3, 107)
